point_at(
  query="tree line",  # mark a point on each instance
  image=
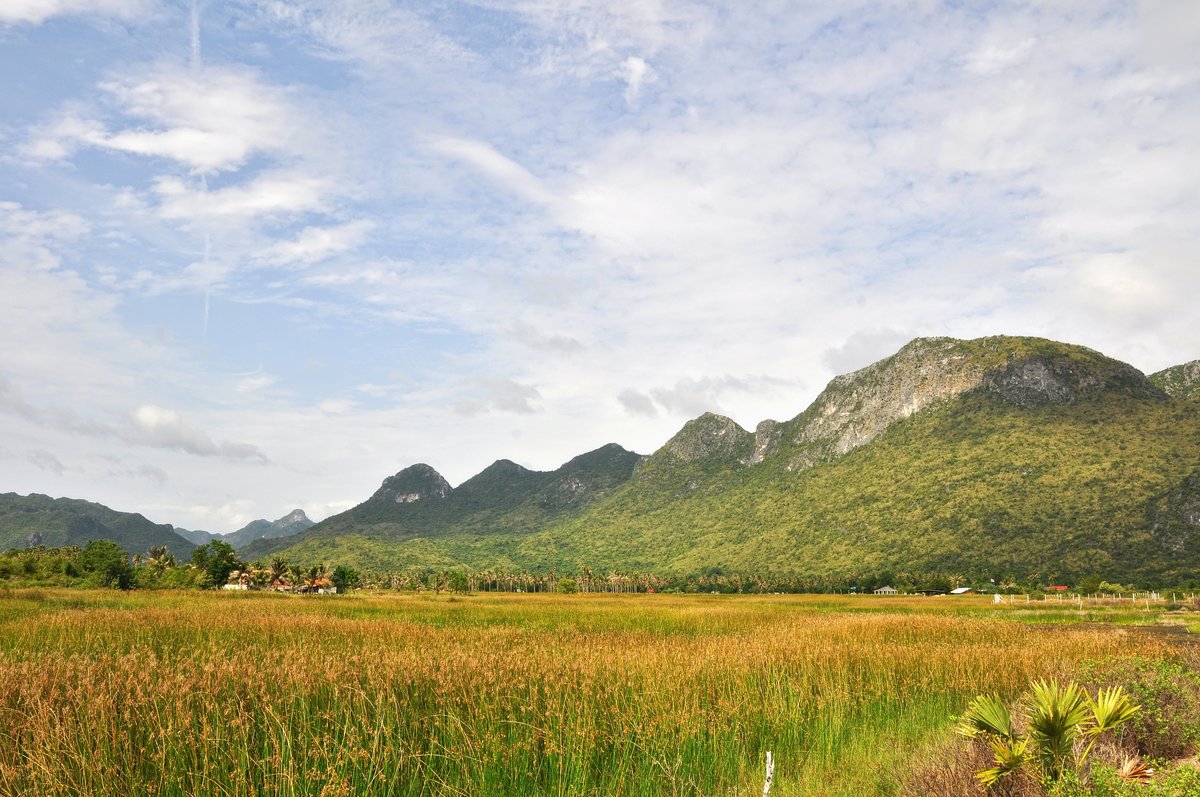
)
(102, 563)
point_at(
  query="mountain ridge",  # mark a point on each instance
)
(1015, 452)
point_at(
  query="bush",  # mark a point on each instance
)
(1168, 691)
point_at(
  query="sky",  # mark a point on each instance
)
(260, 255)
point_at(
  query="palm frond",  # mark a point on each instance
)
(1055, 719)
(1010, 755)
(1135, 770)
(987, 714)
(1112, 707)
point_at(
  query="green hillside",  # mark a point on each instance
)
(1007, 456)
(504, 499)
(28, 520)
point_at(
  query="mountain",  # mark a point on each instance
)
(197, 537)
(504, 500)
(292, 523)
(29, 520)
(1002, 455)
(1181, 381)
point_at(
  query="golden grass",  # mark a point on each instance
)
(257, 694)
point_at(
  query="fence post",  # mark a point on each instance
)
(770, 774)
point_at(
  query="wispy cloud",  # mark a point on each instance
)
(36, 12)
(460, 232)
(209, 121)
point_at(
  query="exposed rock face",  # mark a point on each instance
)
(766, 439)
(1043, 380)
(587, 475)
(709, 437)
(292, 518)
(1180, 381)
(415, 483)
(857, 407)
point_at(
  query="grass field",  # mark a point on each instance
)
(106, 693)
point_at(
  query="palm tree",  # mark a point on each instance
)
(278, 571)
(159, 557)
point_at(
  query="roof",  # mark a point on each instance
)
(961, 591)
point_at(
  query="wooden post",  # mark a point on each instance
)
(770, 774)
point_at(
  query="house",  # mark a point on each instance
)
(239, 587)
(1057, 588)
(886, 591)
(962, 591)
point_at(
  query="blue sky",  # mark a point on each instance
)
(262, 254)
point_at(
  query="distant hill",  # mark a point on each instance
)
(293, 522)
(197, 537)
(30, 520)
(1005, 456)
(1180, 381)
(504, 499)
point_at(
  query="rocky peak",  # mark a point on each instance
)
(1180, 381)
(415, 483)
(294, 519)
(710, 436)
(587, 475)
(856, 408)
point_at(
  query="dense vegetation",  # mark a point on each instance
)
(1027, 461)
(269, 694)
(975, 487)
(32, 520)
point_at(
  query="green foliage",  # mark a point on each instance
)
(108, 563)
(566, 586)
(1057, 716)
(33, 520)
(345, 578)
(217, 559)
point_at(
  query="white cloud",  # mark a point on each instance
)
(209, 121)
(38, 11)
(252, 383)
(505, 395)
(502, 170)
(314, 244)
(165, 428)
(635, 71)
(374, 32)
(636, 402)
(268, 194)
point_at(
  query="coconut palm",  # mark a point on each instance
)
(278, 571)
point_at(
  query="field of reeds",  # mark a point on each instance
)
(106, 693)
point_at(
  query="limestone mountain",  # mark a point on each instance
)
(1002, 455)
(1180, 381)
(503, 499)
(292, 523)
(30, 520)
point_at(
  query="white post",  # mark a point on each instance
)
(770, 774)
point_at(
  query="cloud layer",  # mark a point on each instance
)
(315, 242)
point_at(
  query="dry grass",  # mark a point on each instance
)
(255, 694)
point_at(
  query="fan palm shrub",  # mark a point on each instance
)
(1061, 725)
